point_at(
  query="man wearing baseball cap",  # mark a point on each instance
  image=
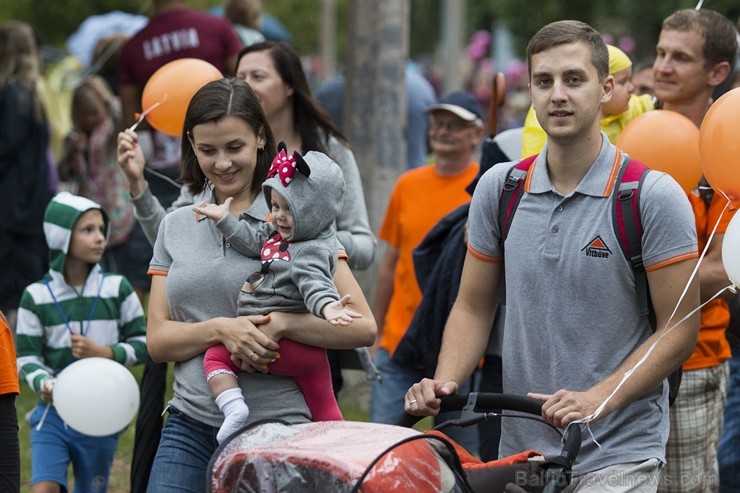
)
(420, 198)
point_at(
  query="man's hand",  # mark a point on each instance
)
(422, 399)
(565, 406)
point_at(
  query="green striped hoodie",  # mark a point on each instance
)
(106, 310)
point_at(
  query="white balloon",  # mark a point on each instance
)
(731, 250)
(96, 396)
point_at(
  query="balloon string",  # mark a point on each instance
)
(629, 372)
(163, 177)
(133, 127)
(698, 263)
(146, 112)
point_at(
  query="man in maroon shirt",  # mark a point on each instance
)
(173, 32)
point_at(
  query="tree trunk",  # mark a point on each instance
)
(375, 104)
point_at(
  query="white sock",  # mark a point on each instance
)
(236, 412)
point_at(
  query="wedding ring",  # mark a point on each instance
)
(251, 356)
(412, 402)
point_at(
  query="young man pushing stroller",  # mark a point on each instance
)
(573, 321)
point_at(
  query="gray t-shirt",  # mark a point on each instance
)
(572, 314)
(204, 274)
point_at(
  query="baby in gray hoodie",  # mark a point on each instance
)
(298, 248)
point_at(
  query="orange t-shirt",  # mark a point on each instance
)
(420, 198)
(712, 347)
(8, 362)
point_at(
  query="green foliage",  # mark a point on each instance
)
(641, 19)
(57, 20)
(636, 18)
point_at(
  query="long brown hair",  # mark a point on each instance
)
(19, 61)
(309, 115)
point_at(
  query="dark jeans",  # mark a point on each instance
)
(183, 456)
(729, 443)
(10, 459)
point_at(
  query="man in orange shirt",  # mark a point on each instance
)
(10, 460)
(420, 198)
(686, 73)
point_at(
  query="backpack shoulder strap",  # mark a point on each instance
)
(511, 194)
(627, 223)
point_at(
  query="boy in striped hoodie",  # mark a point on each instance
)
(75, 311)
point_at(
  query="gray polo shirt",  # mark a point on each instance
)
(204, 276)
(572, 314)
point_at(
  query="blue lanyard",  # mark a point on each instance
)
(92, 310)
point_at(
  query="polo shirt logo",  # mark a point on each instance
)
(597, 248)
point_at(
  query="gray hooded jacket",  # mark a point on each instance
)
(296, 275)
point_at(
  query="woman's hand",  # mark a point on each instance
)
(251, 348)
(131, 161)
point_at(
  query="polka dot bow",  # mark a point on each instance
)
(284, 166)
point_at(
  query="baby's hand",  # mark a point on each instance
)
(213, 212)
(337, 312)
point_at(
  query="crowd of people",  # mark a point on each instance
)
(230, 252)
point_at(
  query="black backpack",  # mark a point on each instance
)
(625, 205)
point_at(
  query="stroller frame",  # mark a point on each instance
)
(384, 454)
(476, 407)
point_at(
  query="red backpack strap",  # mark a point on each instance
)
(627, 222)
(628, 227)
(511, 194)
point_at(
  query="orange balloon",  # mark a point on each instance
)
(665, 141)
(170, 88)
(719, 144)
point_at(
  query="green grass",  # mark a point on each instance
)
(354, 408)
(119, 482)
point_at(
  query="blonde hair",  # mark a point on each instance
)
(19, 60)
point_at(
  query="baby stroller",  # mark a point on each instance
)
(345, 456)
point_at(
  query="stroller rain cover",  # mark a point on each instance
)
(331, 456)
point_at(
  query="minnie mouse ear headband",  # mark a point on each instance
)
(285, 166)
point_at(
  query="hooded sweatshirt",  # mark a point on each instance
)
(105, 309)
(296, 275)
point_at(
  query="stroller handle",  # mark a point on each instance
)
(558, 469)
(480, 401)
